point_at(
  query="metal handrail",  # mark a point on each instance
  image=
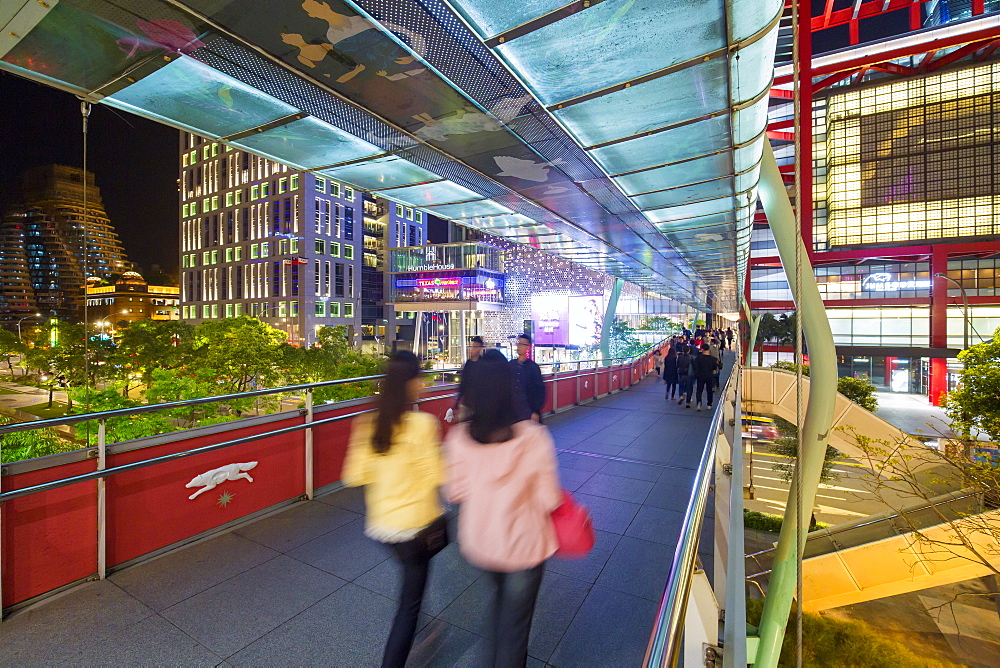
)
(104, 473)
(667, 633)
(151, 408)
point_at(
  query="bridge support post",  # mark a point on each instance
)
(815, 429)
(609, 319)
(309, 445)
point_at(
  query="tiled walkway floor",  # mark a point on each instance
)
(305, 587)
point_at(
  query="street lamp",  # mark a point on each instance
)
(965, 302)
(33, 315)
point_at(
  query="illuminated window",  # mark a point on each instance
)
(239, 196)
(239, 253)
(348, 310)
(254, 192)
(334, 188)
(229, 310)
(320, 247)
(294, 182)
(238, 310)
(348, 252)
(911, 160)
(206, 311)
(295, 246)
(184, 211)
(334, 309)
(282, 309)
(184, 160)
(229, 199)
(215, 202)
(320, 308)
(265, 249)
(215, 310)
(254, 251)
(320, 184)
(265, 189)
(215, 257)
(335, 249)
(282, 184)
(293, 309)
(229, 255)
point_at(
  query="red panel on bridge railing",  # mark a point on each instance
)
(550, 384)
(330, 443)
(567, 391)
(603, 381)
(149, 508)
(50, 538)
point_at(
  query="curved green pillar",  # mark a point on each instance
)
(815, 429)
(609, 318)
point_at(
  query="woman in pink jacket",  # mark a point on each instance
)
(503, 473)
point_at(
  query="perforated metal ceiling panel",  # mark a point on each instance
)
(623, 134)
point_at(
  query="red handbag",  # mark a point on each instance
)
(574, 530)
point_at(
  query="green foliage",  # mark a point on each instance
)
(790, 366)
(623, 340)
(30, 444)
(118, 429)
(659, 323)
(976, 402)
(828, 642)
(162, 362)
(10, 347)
(859, 390)
(767, 522)
(787, 445)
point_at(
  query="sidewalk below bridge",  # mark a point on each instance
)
(304, 586)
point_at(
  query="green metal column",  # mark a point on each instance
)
(754, 324)
(609, 318)
(818, 417)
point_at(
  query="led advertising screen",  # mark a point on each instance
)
(586, 317)
(549, 313)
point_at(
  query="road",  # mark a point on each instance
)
(842, 499)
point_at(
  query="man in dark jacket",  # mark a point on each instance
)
(529, 390)
(476, 347)
(703, 367)
(684, 375)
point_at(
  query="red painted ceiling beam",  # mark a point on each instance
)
(932, 43)
(830, 80)
(781, 136)
(962, 248)
(893, 68)
(782, 93)
(831, 19)
(781, 125)
(957, 54)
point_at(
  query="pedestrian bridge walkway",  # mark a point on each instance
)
(303, 586)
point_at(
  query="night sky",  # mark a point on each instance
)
(135, 162)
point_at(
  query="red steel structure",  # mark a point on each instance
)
(933, 50)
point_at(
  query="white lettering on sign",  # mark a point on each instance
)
(432, 267)
(885, 282)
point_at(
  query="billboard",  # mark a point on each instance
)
(586, 318)
(549, 314)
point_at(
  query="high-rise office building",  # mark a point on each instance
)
(297, 250)
(43, 259)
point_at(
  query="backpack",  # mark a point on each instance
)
(683, 364)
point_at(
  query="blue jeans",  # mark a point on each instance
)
(415, 560)
(512, 611)
(686, 385)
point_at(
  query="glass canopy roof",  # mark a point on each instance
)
(625, 135)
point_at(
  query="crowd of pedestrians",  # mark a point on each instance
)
(691, 367)
(498, 462)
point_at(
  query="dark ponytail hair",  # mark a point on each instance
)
(402, 368)
(490, 399)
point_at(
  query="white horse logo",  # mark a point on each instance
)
(209, 479)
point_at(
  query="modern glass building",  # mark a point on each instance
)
(297, 250)
(52, 241)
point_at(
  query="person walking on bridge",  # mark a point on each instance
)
(396, 454)
(670, 373)
(704, 367)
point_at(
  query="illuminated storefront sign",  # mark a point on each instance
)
(885, 282)
(469, 285)
(438, 282)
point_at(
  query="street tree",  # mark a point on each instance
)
(767, 330)
(32, 443)
(243, 351)
(147, 345)
(975, 405)
(10, 347)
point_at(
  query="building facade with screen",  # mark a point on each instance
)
(906, 224)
